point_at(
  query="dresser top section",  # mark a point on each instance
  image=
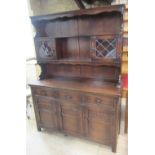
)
(79, 84)
(82, 12)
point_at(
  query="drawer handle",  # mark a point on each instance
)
(98, 101)
(68, 97)
(55, 93)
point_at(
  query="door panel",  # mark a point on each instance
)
(47, 110)
(98, 126)
(106, 48)
(71, 118)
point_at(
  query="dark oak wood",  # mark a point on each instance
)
(80, 56)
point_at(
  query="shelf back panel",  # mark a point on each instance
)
(84, 71)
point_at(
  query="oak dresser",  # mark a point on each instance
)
(78, 92)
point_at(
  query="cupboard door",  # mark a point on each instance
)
(47, 111)
(99, 126)
(71, 118)
(106, 48)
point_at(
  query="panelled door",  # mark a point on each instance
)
(98, 126)
(71, 115)
(47, 112)
(98, 118)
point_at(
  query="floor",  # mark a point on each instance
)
(54, 143)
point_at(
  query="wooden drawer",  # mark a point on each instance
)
(70, 96)
(45, 103)
(98, 103)
(46, 92)
(99, 117)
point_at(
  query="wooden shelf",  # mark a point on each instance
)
(79, 84)
(82, 61)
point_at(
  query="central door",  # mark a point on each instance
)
(71, 118)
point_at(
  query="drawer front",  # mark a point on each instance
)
(69, 96)
(46, 92)
(98, 103)
(99, 117)
(46, 104)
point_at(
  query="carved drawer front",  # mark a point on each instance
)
(47, 112)
(46, 92)
(44, 105)
(99, 103)
(70, 108)
(69, 96)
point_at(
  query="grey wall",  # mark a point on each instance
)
(40, 7)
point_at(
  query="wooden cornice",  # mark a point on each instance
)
(69, 14)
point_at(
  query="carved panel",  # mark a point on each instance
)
(47, 110)
(45, 49)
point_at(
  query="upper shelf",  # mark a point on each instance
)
(82, 61)
(92, 11)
